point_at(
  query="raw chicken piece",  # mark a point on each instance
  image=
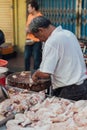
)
(35, 98)
(14, 76)
(81, 117)
(82, 128)
(23, 73)
(20, 116)
(30, 115)
(5, 106)
(66, 125)
(12, 123)
(58, 126)
(19, 119)
(71, 125)
(62, 117)
(68, 113)
(44, 114)
(23, 118)
(56, 108)
(13, 127)
(35, 107)
(26, 122)
(65, 101)
(78, 106)
(40, 123)
(46, 127)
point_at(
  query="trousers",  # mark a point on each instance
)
(35, 51)
(72, 92)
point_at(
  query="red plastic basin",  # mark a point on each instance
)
(3, 63)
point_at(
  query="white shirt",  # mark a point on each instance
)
(63, 59)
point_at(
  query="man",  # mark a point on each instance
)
(33, 44)
(62, 59)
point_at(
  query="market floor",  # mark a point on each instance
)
(16, 64)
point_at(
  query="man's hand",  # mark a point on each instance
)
(35, 77)
(40, 75)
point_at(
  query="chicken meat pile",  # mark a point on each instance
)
(52, 114)
(20, 101)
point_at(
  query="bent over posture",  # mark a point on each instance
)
(62, 60)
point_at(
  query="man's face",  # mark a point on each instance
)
(30, 8)
(41, 35)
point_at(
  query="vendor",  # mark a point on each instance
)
(62, 60)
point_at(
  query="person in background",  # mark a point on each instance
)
(33, 44)
(2, 37)
(2, 40)
(62, 60)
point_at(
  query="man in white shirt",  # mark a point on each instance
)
(62, 60)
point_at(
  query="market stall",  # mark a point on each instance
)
(15, 84)
(34, 111)
(24, 109)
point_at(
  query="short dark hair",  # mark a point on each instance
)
(38, 22)
(34, 4)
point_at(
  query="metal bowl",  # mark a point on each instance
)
(21, 80)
